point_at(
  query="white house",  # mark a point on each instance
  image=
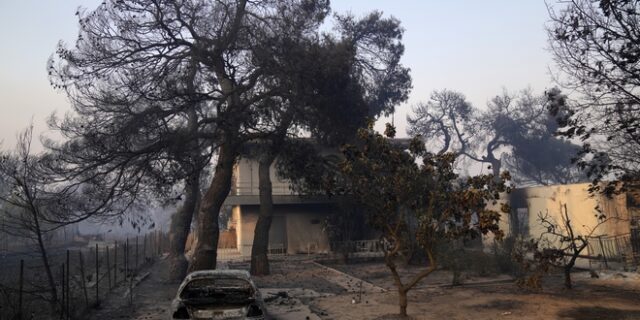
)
(298, 222)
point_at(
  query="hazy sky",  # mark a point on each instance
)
(476, 47)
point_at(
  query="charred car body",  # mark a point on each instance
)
(218, 294)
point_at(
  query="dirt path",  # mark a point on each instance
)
(151, 298)
(490, 298)
(300, 289)
(285, 297)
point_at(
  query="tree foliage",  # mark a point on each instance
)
(335, 83)
(217, 74)
(514, 131)
(428, 201)
(32, 205)
(596, 46)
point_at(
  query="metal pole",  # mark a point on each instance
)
(131, 290)
(108, 268)
(67, 287)
(115, 263)
(84, 280)
(62, 289)
(21, 281)
(604, 256)
(155, 242)
(144, 249)
(126, 260)
(97, 278)
(136, 253)
(130, 277)
(125, 252)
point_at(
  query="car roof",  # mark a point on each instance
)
(218, 273)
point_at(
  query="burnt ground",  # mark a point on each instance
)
(299, 288)
(151, 297)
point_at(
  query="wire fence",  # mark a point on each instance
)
(359, 248)
(82, 276)
(620, 249)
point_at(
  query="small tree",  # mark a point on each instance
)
(534, 262)
(558, 246)
(25, 205)
(426, 201)
(564, 242)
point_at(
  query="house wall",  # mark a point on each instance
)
(249, 217)
(305, 232)
(528, 204)
(298, 227)
(246, 179)
(236, 218)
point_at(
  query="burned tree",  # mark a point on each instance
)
(334, 84)
(29, 203)
(140, 149)
(445, 121)
(562, 242)
(515, 131)
(399, 195)
(129, 51)
(596, 47)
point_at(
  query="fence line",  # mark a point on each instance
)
(622, 249)
(359, 247)
(74, 276)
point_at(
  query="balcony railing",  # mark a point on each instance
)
(252, 189)
(621, 248)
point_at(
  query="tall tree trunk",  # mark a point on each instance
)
(259, 259)
(45, 259)
(496, 166)
(180, 228)
(181, 220)
(205, 255)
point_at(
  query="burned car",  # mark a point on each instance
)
(218, 294)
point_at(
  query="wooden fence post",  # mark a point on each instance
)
(108, 268)
(68, 305)
(153, 244)
(144, 249)
(20, 292)
(604, 255)
(136, 253)
(62, 289)
(84, 280)
(115, 263)
(130, 275)
(126, 260)
(97, 278)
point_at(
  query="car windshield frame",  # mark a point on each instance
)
(218, 291)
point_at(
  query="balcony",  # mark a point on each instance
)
(251, 188)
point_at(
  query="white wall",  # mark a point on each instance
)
(528, 203)
(246, 179)
(302, 224)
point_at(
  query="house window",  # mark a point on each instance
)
(522, 220)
